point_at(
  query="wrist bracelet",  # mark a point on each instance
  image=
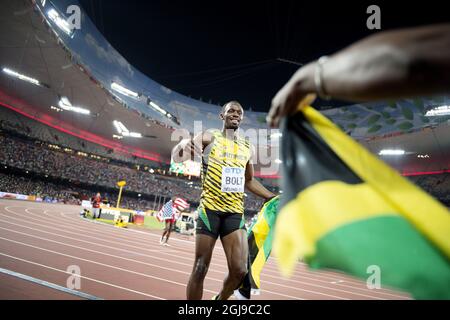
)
(318, 78)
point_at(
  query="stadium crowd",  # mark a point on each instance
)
(17, 124)
(36, 157)
(437, 185)
(52, 192)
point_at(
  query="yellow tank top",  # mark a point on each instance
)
(223, 173)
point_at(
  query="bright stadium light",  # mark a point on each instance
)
(22, 77)
(278, 161)
(158, 108)
(132, 134)
(122, 127)
(56, 109)
(118, 128)
(60, 22)
(65, 104)
(391, 152)
(135, 135)
(124, 91)
(438, 111)
(80, 110)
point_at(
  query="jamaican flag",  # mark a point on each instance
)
(260, 235)
(344, 209)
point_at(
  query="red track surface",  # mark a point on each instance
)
(43, 240)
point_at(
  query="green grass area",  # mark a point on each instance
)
(111, 222)
(149, 222)
(153, 223)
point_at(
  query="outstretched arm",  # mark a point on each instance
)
(192, 148)
(387, 65)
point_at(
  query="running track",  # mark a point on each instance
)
(43, 240)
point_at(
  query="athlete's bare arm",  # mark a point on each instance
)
(192, 148)
(253, 185)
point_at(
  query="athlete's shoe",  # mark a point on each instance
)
(166, 244)
(161, 241)
(239, 296)
(215, 297)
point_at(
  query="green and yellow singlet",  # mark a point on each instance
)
(223, 173)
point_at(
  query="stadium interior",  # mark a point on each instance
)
(76, 118)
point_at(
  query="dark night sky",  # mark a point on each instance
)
(228, 50)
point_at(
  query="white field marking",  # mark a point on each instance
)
(307, 283)
(82, 277)
(310, 284)
(292, 280)
(95, 262)
(136, 261)
(50, 285)
(172, 261)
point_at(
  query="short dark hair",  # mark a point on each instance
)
(232, 102)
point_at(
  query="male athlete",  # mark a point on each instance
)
(226, 170)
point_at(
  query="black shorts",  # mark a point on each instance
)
(218, 223)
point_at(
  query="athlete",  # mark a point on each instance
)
(96, 201)
(227, 170)
(169, 214)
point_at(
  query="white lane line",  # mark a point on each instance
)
(82, 277)
(268, 282)
(123, 231)
(94, 262)
(49, 284)
(289, 280)
(330, 278)
(127, 259)
(171, 261)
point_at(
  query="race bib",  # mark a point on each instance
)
(233, 179)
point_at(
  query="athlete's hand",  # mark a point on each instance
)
(297, 92)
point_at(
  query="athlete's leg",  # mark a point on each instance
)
(204, 246)
(235, 246)
(169, 230)
(166, 229)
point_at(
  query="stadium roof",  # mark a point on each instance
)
(33, 48)
(241, 50)
(28, 47)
